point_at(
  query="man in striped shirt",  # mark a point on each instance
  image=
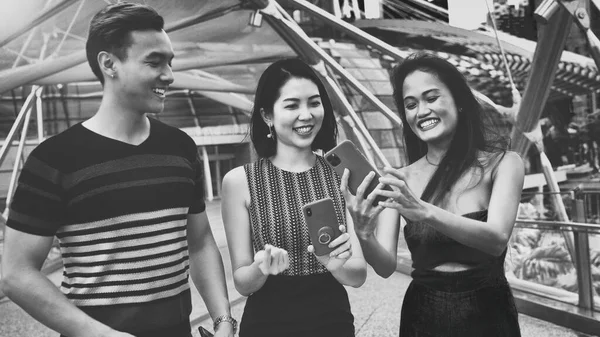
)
(123, 194)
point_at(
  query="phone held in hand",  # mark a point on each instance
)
(346, 156)
(322, 222)
(204, 333)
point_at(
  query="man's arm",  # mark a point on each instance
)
(206, 269)
(25, 285)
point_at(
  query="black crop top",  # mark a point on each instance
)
(429, 248)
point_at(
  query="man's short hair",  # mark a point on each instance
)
(110, 31)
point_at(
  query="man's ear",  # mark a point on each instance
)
(107, 64)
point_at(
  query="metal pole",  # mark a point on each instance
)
(557, 201)
(361, 140)
(39, 115)
(363, 130)
(207, 175)
(583, 263)
(192, 109)
(82, 2)
(13, 130)
(357, 85)
(13, 177)
(45, 15)
(348, 29)
(26, 74)
(350, 121)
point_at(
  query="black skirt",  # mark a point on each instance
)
(298, 306)
(474, 302)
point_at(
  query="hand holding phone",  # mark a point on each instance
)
(204, 333)
(346, 156)
(322, 223)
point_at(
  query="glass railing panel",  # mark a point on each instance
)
(541, 255)
(594, 242)
(539, 262)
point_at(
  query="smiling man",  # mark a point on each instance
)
(123, 194)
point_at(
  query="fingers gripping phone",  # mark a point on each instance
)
(322, 223)
(346, 156)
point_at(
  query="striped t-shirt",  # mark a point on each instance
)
(119, 212)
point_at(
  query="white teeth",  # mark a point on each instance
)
(303, 129)
(159, 91)
(427, 123)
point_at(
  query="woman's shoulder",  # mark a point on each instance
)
(503, 161)
(512, 159)
(235, 176)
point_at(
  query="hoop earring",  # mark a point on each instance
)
(270, 134)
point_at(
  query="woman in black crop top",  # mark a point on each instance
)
(291, 292)
(457, 230)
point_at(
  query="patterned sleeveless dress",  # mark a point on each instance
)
(304, 300)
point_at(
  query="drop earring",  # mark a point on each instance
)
(270, 134)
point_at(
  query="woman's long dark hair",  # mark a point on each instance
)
(268, 91)
(470, 137)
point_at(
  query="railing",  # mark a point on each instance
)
(538, 260)
(547, 269)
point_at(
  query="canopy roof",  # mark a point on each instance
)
(204, 33)
(576, 74)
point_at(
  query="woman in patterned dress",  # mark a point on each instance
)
(291, 291)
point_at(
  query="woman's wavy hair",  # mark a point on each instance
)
(471, 136)
(268, 91)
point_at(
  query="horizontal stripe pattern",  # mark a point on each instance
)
(119, 165)
(112, 260)
(120, 215)
(130, 297)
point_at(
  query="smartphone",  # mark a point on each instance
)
(204, 333)
(322, 223)
(346, 156)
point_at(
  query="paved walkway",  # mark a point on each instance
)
(376, 305)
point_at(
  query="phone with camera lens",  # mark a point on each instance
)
(346, 156)
(322, 223)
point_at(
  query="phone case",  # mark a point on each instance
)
(322, 223)
(346, 156)
(204, 333)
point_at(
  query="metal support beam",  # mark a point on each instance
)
(193, 109)
(13, 130)
(16, 166)
(191, 21)
(13, 78)
(357, 123)
(579, 10)
(583, 264)
(369, 40)
(545, 61)
(557, 202)
(39, 115)
(207, 174)
(26, 26)
(349, 29)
